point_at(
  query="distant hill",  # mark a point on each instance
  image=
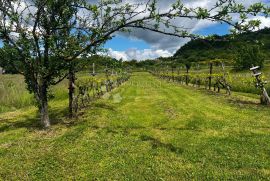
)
(223, 47)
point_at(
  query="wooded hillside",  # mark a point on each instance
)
(223, 47)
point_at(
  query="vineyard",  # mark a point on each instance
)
(13, 94)
(168, 124)
(134, 90)
(219, 79)
(146, 129)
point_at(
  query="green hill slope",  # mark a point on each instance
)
(223, 47)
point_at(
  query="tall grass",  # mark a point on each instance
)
(245, 82)
(13, 93)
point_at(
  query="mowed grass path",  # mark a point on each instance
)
(145, 130)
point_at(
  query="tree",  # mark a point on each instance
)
(6, 56)
(247, 56)
(50, 35)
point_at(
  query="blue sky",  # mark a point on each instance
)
(219, 29)
(122, 43)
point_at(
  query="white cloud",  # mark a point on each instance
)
(136, 54)
(117, 54)
(171, 44)
(203, 24)
(265, 22)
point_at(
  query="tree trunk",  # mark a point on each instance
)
(43, 106)
(71, 88)
(45, 120)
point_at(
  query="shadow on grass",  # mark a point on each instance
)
(123, 130)
(71, 136)
(180, 129)
(233, 99)
(58, 116)
(243, 102)
(193, 125)
(101, 105)
(32, 121)
(158, 144)
(26, 122)
(115, 129)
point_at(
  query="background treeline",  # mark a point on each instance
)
(101, 63)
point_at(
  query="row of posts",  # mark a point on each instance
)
(94, 73)
(187, 76)
(265, 99)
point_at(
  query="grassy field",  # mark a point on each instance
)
(145, 130)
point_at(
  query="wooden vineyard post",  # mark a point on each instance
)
(93, 70)
(226, 85)
(167, 73)
(183, 77)
(163, 70)
(187, 72)
(210, 75)
(178, 75)
(107, 80)
(260, 84)
(172, 74)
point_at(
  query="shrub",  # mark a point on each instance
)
(247, 56)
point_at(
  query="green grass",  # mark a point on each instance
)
(145, 130)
